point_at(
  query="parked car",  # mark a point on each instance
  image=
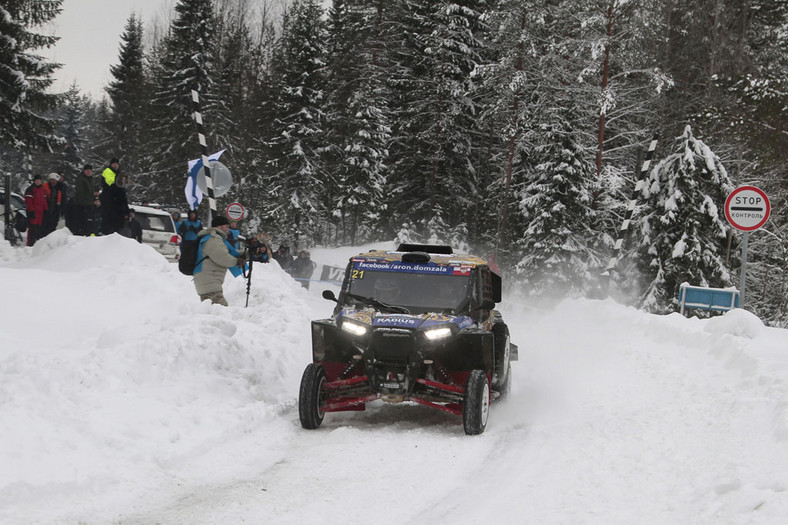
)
(414, 325)
(18, 223)
(158, 230)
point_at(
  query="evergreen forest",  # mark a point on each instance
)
(517, 129)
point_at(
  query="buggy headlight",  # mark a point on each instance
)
(354, 328)
(437, 333)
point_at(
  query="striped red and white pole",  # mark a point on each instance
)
(197, 115)
(622, 231)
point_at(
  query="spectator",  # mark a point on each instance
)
(283, 257)
(189, 228)
(110, 173)
(214, 257)
(109, 214)
(303, 267)
(54, 202)
(132, 227)
(176, 219)
(120, 203)
(234, 234)
(82, 204)
(36, 204)
(261, 252)
(94, 217)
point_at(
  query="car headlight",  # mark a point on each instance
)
(437, 333)
(354, 328)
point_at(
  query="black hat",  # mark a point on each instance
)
(87, 167)
(37, 177)
(114, 160)
(219, 221)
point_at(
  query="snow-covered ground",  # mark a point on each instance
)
(125, 400)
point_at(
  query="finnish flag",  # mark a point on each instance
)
(193, 192)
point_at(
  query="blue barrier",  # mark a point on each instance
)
(719, 299)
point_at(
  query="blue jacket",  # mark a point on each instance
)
(189, 229)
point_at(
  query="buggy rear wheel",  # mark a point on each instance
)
(309, 396)
(476, 406)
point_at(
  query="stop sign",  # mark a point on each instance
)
(235, 212)
(747, 208)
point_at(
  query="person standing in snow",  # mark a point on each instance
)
(189, 229)
(54, 201)
(232, 237)
(83, 201)
(36, 204)
(215, 255)
(303, 267)
(283, 257)
(108, 212)
(176, 220)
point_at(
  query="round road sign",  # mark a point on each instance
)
(747, 208)
(235, 212)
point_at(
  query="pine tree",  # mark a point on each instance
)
(186, 55)
(557, 246)
(26, 76)
(297, 113)
(432, 55)
(356, 116)
(130, 92)
(683, 229)
(73, 129)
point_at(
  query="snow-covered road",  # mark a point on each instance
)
(123, 400)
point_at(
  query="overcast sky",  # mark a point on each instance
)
(89, 32)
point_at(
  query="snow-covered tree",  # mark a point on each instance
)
(558, 242)
(185, 64)
(130, 93)
(73, 128)
(433, 49)
(298, 182)
(25, 76)
(358, 134)
(683, 229)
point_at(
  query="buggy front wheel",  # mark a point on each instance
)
(476, 406)
(309, 396)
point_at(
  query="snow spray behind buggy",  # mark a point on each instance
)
(417, 325)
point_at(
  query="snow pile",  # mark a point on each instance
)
(123, 399)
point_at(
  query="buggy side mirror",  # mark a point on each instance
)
(487, 304)
(328, 294)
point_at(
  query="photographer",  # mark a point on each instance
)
(259, 249)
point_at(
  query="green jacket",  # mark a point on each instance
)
(83, 191)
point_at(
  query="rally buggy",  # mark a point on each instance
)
(417, 324)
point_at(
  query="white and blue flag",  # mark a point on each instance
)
(193, 192)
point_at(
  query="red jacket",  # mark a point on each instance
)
(36, 203)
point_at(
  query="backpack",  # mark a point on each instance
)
(188, 260)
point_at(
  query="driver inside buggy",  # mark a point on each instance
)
(386, 290)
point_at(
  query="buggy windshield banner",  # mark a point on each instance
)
(425, 268)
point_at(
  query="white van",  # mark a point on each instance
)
(158, 230)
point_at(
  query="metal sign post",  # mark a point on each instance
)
(747, 208)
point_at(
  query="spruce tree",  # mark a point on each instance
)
(683, 227)
(25, 76)
(186, 55)
(298, 183)
(557, 244)
(431, 58)
(356, 117)
(130, 94)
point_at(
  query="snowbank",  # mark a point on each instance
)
(123, 399)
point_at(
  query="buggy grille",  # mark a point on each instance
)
(392, 346)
